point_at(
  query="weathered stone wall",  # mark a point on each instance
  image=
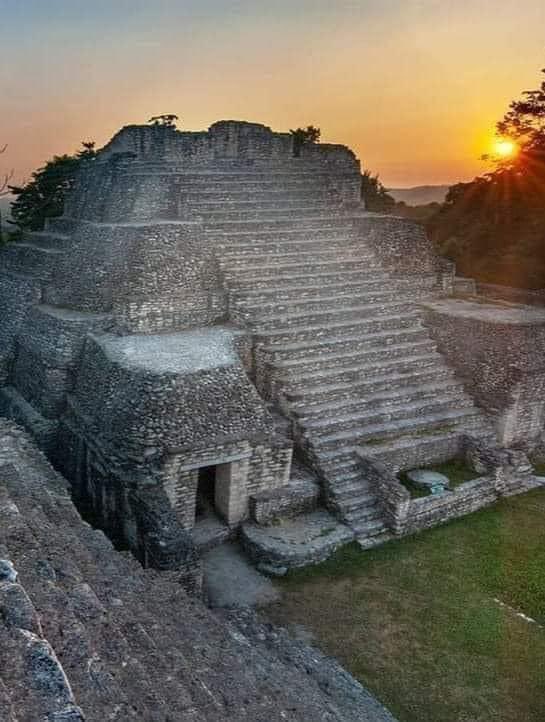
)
(245, 468)
(135, 402)
(140, 174)
(504, 472)
(405, 250)
(46, 355)
(17, 295)
(500, 352)
(154, 277)
(129, 504)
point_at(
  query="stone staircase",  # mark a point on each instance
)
(339, 343)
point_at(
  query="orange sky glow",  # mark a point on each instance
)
(414, 87)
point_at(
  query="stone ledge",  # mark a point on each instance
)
(308, 539)
(300, 495)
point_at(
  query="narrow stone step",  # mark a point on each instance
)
(310, 291)
(234, 260)
(411, 425)
(240, 200)
(367, 528)
(363, 312)
(335, 392)
(275, 268)
(391, 398)
(345, 342)
(328, 274)
(233, 248)
(406, 452)
(285, 223)
(234, 194)
(368, 542)
(372, 417)
(361, 370)
(316, 362)
(315, 331)
(359, 512)
(265, 216)
(317, 304)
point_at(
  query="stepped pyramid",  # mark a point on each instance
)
(247, 278)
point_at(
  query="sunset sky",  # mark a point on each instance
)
(413, 86)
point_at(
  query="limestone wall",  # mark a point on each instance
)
(503, 472)
(245, 468)
(146, 412)
(405, 250)
(17, 296)
(155, 276)
(500, 352)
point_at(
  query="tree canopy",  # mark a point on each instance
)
(304, 136)
(494, 226)
(43, 196)
(167, 120)
(374, 194)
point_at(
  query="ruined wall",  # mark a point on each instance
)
(500, 353)
(145, 410)
(245, 469)
(153, 276)
(16, 297)
(503, 473)
(138, 175)
(405, 250)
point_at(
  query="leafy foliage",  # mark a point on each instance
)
(494, 226)
(167, 120)
(43, 196)
(374, 194)
(304, 136)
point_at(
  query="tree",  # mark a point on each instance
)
(524, 122)
(167, 120)
(304, 136)
(4, 190)
(494, 226)
(43, 196)
(374, 194)
(5, 178)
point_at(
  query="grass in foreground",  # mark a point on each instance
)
(429, 623)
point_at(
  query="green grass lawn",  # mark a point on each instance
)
(417, 622)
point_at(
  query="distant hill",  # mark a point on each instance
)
(419, 195)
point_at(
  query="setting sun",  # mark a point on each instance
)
(505, 148)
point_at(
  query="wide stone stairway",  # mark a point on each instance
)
(340, 345)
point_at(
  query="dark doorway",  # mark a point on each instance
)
(206, 491)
